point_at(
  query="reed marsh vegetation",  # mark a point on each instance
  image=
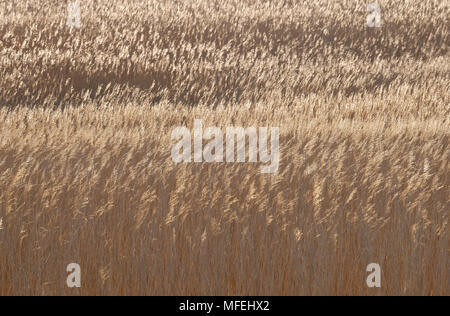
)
(85, 168)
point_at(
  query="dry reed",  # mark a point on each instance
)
(85, 168)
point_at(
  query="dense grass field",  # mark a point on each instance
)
(86, 174)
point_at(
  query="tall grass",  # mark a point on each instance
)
(86, 174)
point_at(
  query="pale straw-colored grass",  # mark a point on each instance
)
(86, 174)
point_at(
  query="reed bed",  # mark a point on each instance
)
(86, 174)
